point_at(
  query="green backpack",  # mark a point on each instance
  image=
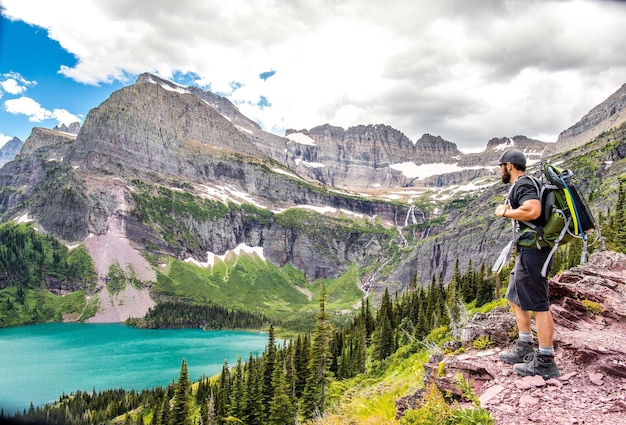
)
(564, 214)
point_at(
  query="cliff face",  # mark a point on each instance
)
(149, 128)
(359, 157)
(432, 150)
(609, 114)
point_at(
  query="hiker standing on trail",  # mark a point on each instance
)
(528, 289)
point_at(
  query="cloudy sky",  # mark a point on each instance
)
(467, 71)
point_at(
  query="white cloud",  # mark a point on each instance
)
(467, 71)
(4, 139)
(29, 107)
(36, 113)
(13, 83)
(65, 117)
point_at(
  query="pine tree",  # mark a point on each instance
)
(384, 339)
(384, 334)
(269, 361)
(181, 404)
(431, 304)
(223, 393)
(454, 305)
(359, 350)
(468, 288)
(423, 327)
(457, 278)
(235, 408)
(314, 395)
(164, 413)
(442, 310)
(414, 306)
(253, 407)
(301, 363)
(369, 320)
(484, 288)
(281, 409)
(336, 349)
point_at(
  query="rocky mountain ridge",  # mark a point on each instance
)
(157, 137)
(373, 156)
(605, 116)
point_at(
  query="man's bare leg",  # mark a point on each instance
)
(524, 345)
(545, 329)
(522, 317)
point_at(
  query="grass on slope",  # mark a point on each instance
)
(40, 306)
(248, 283)
(371, 398)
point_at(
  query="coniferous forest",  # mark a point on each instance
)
(289, 382)
(172, 314)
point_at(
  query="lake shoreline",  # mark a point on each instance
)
(40, 363)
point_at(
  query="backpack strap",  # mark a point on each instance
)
(540, 192)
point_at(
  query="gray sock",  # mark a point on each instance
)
(546, 351)
(526, 336)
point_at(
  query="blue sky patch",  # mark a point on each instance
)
(265, 75)
(263, 102)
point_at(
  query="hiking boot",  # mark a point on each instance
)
(538, 364)
(517, 353)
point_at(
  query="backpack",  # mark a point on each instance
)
(565, 215)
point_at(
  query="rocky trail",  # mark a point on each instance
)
(589, 308)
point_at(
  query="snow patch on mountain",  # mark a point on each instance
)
(287, 173)
(241, 248)
(450, 191)
(301, 138)
(505, 146)
(313, 164)
(169, 85)
(412, 170)
(23, 219)
(227, 194)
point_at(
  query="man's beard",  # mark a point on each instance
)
(506, 176)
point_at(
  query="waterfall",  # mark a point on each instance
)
(410, 214)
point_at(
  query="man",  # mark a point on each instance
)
(528, 290)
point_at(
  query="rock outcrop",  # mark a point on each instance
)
(590, 328)
(41, 137)
(73, 128)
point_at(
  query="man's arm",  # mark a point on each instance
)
(529, 210)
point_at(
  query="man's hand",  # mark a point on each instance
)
(501, 210)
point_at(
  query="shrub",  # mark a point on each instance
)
(483, 342)
(592, 307)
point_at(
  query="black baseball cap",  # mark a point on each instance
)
(514, 156)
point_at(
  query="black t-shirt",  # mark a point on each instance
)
(523, 190)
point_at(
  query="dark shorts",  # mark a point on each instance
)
(527, 288)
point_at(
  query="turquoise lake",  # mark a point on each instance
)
(41, 362)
